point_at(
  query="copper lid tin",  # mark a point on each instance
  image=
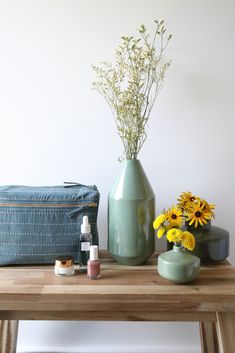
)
(64, 266)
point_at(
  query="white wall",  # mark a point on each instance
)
(55, 128)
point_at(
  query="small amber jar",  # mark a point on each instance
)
(64, 266)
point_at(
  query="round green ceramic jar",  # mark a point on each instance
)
(212, 243)
(178, 266)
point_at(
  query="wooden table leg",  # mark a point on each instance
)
(209, 342)
(8, 335)
(226, 332)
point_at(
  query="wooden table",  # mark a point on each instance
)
(123, 293)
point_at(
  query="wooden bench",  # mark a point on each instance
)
(124, 293)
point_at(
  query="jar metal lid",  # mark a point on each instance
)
(64, 262)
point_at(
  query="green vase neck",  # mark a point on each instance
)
(177, 248)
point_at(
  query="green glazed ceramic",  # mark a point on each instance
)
(131, 209)
(178, 266)
(212, 243)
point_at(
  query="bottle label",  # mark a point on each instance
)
(85, 246)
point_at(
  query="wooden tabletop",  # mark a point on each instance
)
(123, 292)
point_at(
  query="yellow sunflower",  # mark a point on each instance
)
(198, 214)
(208, 208)
(185, 200)
(174, 216)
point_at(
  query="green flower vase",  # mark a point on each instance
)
(212, 243)
(131, 210)
(178, 266)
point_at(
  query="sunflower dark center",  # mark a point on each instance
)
(173, 216)
(198, 214)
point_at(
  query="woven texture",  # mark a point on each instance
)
(37, 224)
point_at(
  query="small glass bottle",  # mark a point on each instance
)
(84, 244)
(93, 264)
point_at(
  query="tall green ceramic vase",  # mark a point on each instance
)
(131, 210)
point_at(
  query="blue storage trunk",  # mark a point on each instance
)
(38, 224)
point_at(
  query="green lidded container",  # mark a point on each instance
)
(178, 265)
(131, 210)
(212, 243)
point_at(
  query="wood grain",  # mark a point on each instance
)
(129, 288)
(8, 336)
(208, 334)
(226, 332)
(130, 293)
(108, 316)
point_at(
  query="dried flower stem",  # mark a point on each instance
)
(131, 85)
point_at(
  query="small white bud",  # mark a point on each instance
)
(141, 29)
